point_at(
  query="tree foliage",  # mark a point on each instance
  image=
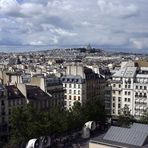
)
(125, 118)
(144, 118)
(28, 123)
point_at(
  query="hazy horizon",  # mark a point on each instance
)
(27, 48)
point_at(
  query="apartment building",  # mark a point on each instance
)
(36, 96)
(10, 98)
(51, 85)
(81, 84)
(3, 113)
(130, 88)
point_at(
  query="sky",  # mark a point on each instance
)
(104, 23)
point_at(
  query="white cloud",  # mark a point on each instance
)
(10, 7)
(101, 22)
(117, 8)
(139, 43)
(30, 9)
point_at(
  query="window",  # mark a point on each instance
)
(74, 97)
(65, 97)
(119, 105)
(125, 86)
(129, 86)
(145, 88)
(70, 91)
(78, 85)
(69, 85)
(129, 93)
(69, 97)
(114, 92)
(3, 119)
(145, 95)
(65, 102)
(65, 85)
(69, 103)
(114, 98)
(136, 94)
(140, 87)
(74, 85)
(125, 92)
(9, 111)
(79, 92)
(114, 85)
(9, 103)
(17, 102)
(119, 112)
(125, 99)
(113, 111)
(136, 87)
(119, 86)
(119, 92)
(129, 99)
(113, 104)
(2, 102)
(79, 98)
(119, 99)
(13, 102)
(74, 91)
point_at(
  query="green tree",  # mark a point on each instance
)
(78, 118)
(144, 118)
(125, 118)
(28, 123)
(94, 110)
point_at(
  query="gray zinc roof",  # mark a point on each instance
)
(125, 135)
(128, 72)
(140, 127)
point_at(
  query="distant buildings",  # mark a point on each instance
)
(61, 77)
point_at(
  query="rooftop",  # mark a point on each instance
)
(35, 93)
(134, 137)
(13, 92)
(128, 72)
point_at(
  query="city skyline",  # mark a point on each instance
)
(63, 23)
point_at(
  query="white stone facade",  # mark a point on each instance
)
(130, 88)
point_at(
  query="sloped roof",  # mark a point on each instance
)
(128, 72)
(14, 92)
(126, 135)
(35, 93)
(140, 127)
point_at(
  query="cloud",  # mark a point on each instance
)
(30, 9)
(139, 43)
(108, 23)
(117, 9)
(9, 7)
